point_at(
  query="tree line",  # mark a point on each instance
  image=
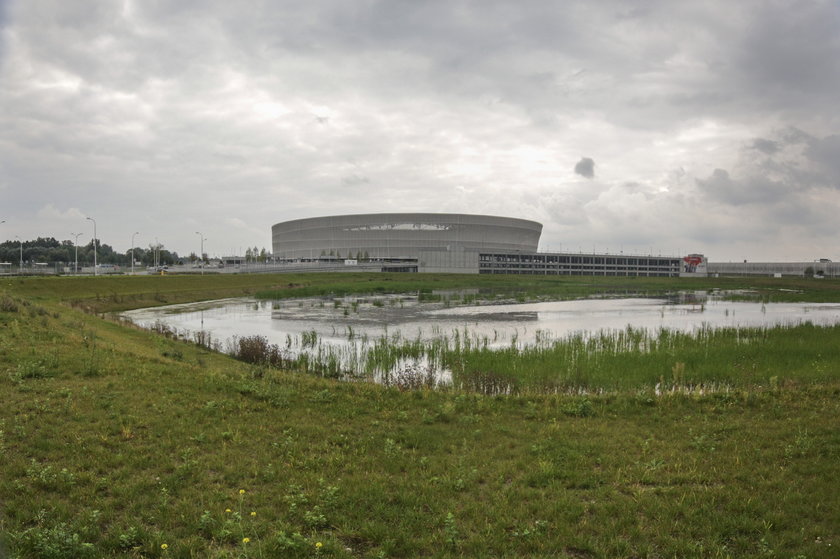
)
(48, 250)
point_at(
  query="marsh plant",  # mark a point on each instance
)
(666, 361)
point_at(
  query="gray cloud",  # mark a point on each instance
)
(790, 59)
(803, 161)
(163, 116)
(785, 189)
(768, 147)
(355, 180)
(585, 167)
(825, 153)
(753, 190)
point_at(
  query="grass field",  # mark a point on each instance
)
(116, 442)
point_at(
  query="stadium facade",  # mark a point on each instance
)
(450, 243)
(401, 235)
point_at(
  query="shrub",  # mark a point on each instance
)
(7, 304)
(257, 350)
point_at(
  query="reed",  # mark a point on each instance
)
(629, 359)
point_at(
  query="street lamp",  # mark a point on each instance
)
(132, 251)
(201, 254)
(94, 244)
(76, 244)
(20, 267)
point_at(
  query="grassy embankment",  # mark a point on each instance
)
(115, 441)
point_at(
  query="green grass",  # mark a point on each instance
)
(115, 293)
(705, 360)
(709, 359)
(115, 441)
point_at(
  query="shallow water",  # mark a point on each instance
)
(346, 329)
(406, 318)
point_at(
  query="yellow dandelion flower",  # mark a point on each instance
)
(246, 540)
(164, 546)
(318, 545)
(241, 491)
(253, 513)
(227, 510)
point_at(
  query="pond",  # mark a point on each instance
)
(391, 336)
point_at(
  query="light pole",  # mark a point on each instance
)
(95, 273)
(20, 266)
(132, 251)
(201, 254)
(76, 244)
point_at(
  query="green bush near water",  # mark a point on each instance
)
(119, 442)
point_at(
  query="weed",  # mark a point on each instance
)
(292, 543)
(47, 477)
(203, 338)
(450, 531)
(91, 362)
(579, 407)
(537, 528)
(309, 339)
(322, 397)
(56, 542)
(32, 369)
(130, 539)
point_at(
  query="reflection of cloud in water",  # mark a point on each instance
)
(402, 316)
(519, 316)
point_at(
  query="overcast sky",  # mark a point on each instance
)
(661, 126)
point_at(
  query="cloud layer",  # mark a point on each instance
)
(714, 124)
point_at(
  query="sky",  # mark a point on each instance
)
(638, 127)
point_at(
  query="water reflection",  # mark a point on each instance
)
(352, 334)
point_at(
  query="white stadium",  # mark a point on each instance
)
(456, 243)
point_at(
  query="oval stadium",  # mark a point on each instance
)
(401, 236)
